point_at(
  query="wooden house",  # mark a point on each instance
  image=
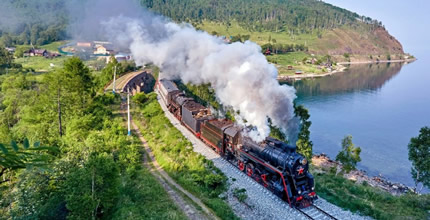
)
(104, 49)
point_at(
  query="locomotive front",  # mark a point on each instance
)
(290, 168)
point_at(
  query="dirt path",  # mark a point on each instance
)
(168, 183)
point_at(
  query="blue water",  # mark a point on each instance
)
(381, 105)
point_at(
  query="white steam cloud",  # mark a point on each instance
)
(239, 73)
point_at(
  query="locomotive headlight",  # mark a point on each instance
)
(304, 161)
(313, 188)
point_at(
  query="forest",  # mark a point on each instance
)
(32, 22)
(64, 151)
(296, 16)
(45, 21)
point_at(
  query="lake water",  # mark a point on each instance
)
(381, 105)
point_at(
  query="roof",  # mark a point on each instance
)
(168, 85)
(221, 123)
(193, 106)
(39, 51)
(106, 46)
(182, 99)
(232, 131)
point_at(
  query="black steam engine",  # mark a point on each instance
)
(272, 163)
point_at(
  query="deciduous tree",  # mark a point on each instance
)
(304, 144)
(419, 154)
(349, 156)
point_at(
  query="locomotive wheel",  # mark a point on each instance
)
(250, 169)
(241, 165)
(264, 180)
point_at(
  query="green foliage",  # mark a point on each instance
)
(370, 201)
(304, 144)
(349, 156)
(174, 153)
(92, 189)
(34, 23)
(21, 49)
(107, 73)
(14, 156)
(240, 194)
(283, 48)
(38, 195)
(203, 94)
(290, 58)
(97, 172)
(419, 154)
(6, 58)
(214, 180)
(277, 133)
(41, 64)
(293, 16)
(142, 197)
(240, 38)
(78, 76)
(140, 98)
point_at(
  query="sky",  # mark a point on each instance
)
(408, 21)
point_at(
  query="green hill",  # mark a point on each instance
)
(321, 27)
(305, 25)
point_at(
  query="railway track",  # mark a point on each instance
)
(315, 213)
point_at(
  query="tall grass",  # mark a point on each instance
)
(175, 154)
(370, 201)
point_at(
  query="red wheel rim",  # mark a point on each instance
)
(249, 171)
(241, 165)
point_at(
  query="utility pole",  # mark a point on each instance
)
(60, 127)
(128, 111)
(114, 81)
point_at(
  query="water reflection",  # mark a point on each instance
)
(356, 78)
(381, 105)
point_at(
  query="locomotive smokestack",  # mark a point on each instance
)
(239, 73)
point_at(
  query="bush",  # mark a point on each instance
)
(240, 194)
(214, 180)
(140, 98)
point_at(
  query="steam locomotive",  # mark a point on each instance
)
(272, 163)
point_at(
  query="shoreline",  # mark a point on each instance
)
(378, 61)
(342, 68)
(324, 163)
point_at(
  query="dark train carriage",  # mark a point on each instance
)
(220, 133)
(193, 114)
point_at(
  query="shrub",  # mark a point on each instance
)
(240, 194)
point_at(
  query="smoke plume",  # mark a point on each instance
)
(239, 73)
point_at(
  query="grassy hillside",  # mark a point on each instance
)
(338, 41)
(323, 28)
